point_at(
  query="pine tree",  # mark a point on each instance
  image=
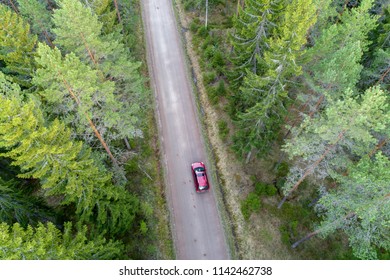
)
(333, 64)
(78, 30)
(38, 16)
(46, 242)
(64, 167)
(16, 46)
(360, 207)
(326, 144)
(268, 92)
(75, 93)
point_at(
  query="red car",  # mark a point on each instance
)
(200, 176)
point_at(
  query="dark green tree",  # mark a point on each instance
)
(260, 124)
(18, 207)
(253, 27)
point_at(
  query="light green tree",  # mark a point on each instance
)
(326, 144)
(38, 16)
(360, 207)
(16, 46)
(64, 167)
(75, 92)
(46, 242)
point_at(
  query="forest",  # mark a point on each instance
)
(301, 88)
(302, 93)
(78, 169)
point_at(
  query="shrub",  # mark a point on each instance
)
(209, 77)
(223, 129)
(220, 89)
(203, 32)
(194, 27)
(250, 204)
(218, 60)
(209, 51)
(265, 189)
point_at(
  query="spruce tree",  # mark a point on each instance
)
(267, 93)
(16, 46)
(253, 27)
(46, 242)
(19, 207)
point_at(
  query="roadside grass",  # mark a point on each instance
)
(153, 240)
(251, 191)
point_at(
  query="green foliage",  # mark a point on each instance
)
(327, 144)
(105, 12)
(203, 32)
(360, 207)
(16, 46)
(223, 129)
(79, 30)
(46, 242)
(37, 15)
(250, 204)
(65, 168)
(253, 27)
(209, 77)
(265, 189)
(72, 89)
(332, 65)
(18, 207)
(264, 96)
(377, 59)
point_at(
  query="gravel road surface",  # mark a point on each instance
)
(196, 225)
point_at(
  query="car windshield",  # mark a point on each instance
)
(199, 169)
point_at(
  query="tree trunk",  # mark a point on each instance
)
(314, 233)
(379, 146)
(98, 135)
(127, 144)
(312, 167)
(117, 11)
(13, 6)
(307, 237)
(207, 12)
(383, 76)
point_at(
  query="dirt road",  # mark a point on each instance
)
(196, 225)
